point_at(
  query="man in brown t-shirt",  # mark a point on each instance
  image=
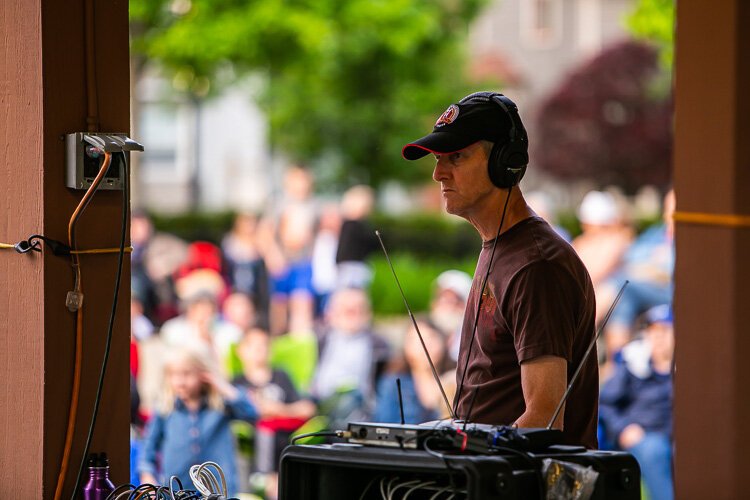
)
(536, 313)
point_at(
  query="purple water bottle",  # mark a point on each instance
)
(99, 485)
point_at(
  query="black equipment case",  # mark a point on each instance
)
(345, 471)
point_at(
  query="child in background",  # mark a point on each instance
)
(192, 425)
(282, 409)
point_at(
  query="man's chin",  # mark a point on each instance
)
(453, 209)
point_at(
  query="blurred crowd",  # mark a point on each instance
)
(636, 352)
(238, 346)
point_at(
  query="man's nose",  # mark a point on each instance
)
(440, 172)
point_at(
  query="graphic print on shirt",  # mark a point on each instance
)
(489, 306)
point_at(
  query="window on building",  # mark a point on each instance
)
(160, 122)
(541, 23)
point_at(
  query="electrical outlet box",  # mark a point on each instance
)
(85, 154)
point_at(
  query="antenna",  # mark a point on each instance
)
(416, 327)
(400, 400)
(586, 355)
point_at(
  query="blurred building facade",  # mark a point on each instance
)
(532, 45)
(214, 154)
(201, 154)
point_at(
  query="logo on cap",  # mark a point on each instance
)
(448, 116)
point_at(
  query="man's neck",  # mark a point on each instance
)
(486, 220)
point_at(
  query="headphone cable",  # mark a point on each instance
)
(479, 302)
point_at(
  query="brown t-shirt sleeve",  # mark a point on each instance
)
(541, 309)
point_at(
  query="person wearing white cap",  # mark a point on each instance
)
(530, 312)
(601, 246)
(448, 304)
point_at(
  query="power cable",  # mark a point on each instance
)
(77, 293)
(125, 174)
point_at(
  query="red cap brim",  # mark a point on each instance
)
(436, 143)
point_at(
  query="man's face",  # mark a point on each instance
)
(464, 181)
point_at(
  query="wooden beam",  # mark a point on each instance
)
(712, 275)
(43, 92)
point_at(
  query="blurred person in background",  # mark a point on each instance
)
(604, 239)
(649, 265)
(448, 306)
(239, 310)
(421, 395)
(351, 358)
(192, 423)
(146, 355)
(244, 264)
(601, 246)
(636, 402)
(200, 323)
(281, 407)
(296, 351)
(357, 239)
(141, 231)
(285, 240)
(325, 246)
(141, 329)
(156, 256)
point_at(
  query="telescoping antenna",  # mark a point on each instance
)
(416, 327)
(585, 356)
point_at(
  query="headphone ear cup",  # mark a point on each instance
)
(514, 155)
(506, 165)
(494, 166)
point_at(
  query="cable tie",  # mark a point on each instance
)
(58, 248)
(26, 246)
(33, 244)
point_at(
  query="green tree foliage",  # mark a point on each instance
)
(345, 82)
(653, 20)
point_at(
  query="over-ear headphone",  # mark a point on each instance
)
(507, 162)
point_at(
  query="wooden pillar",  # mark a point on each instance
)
(43, 95)
(712, 275)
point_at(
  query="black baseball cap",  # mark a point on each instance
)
(474, 118)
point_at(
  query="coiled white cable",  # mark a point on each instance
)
(205, 481)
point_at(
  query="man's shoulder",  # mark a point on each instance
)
(534, 241)
(539, 255)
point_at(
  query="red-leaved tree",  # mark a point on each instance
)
(609, 121)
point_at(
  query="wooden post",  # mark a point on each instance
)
(44, 96)
(712, 275)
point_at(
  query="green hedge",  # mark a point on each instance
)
(195, 226)
(429, 236)
(424, 235)
(417, 278)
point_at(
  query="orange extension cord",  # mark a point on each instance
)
(79, 326)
